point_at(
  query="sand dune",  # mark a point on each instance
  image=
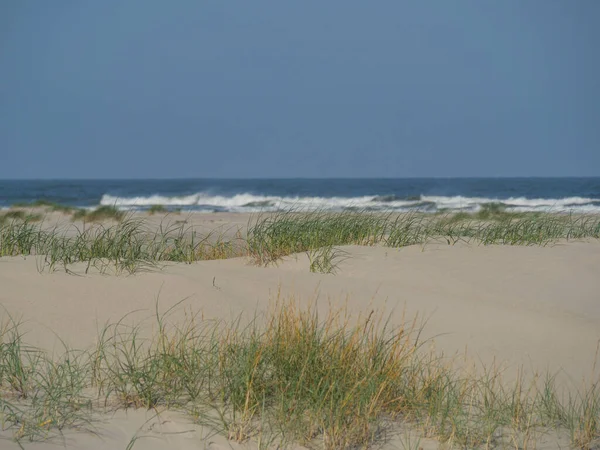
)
(532, 305)
(536, 307)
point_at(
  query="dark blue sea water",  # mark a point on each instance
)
(519, 194)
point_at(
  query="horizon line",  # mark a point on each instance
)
(300, 178)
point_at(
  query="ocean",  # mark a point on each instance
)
(579, 195)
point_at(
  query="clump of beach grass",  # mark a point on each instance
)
(280, 234)
(98, 215)
(157, 209)
(48, 205)
(79, 214)
(19, 215)
(325, 259)
(489, 210)
(326, 380)
(104, 213)
(125, 247)
(271, 237)
(40, 396)
(131, 244)
(19, 238)
(460, 216)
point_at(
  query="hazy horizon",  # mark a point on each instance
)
(508, 177)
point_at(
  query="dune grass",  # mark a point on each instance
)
(19, 215)
(293, 376)
(132, 244)
(125, 247)
(325, 259)
(156, 209)
(40, 396)
(328, 381)
(100, 214)
(271, 237)
(104, 213)
(51, 206)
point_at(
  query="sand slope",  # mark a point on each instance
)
(533, 306)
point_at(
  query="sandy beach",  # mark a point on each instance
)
(528, 308)
(299, 225)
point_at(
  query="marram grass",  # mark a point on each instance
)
(125, 247)
(271, 237)
(291, 376)
(157, 209)
(130, 244)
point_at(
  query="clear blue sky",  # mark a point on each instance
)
(194, 88)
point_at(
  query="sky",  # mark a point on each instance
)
(278, 89)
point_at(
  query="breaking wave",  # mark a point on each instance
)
(253, 203)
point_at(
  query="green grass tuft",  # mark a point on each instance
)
(332, 381)
(19, 216)
(131, 245)
(154, 209)
(125, 247)
(14, 215)
(104, 213)
(52, 206)
(271, 237)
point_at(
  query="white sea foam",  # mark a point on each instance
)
(251, 203)
(246, 201)
(459, 202)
